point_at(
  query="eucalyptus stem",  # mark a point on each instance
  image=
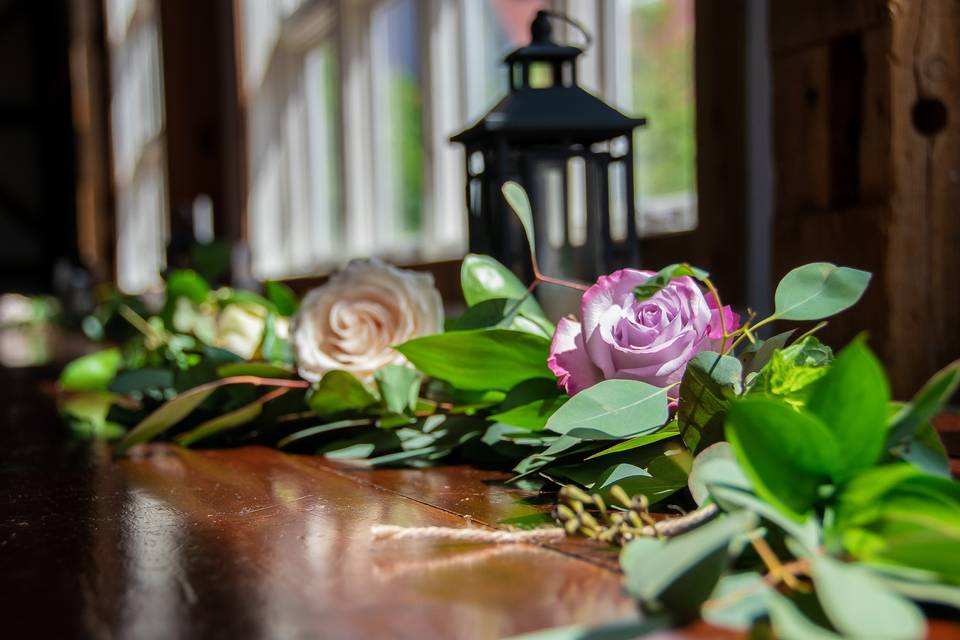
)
(723, 320)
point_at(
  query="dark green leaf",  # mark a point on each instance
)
(708, 385)
(663, 277)
(851, 400)
(92, 372)
(786, 454)
(339, 392)
(669, 431)
(282, 297)
(925, 451)
(399, 387)
(532, 416)
(480, 360)
(681, 573)
(818, 290)
(664, 475)
(861, 606)
(928, 402)
(321, 429)
(227, 421)
(754, 357)
(612, 409)
(142, 380)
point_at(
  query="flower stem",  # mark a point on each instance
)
(723, 320)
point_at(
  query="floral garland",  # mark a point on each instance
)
(824, 508)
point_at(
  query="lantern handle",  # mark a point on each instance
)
(576, 24)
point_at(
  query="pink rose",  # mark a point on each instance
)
(649, 340)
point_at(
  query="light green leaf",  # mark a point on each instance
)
(259, 369)
(612, 409)
(399, 388)
(479, 360)
(187, 283)
(664, 476)
(663, 277)
(917, 586)
(786, 454)
(717, 464)
(680, 574)
(709, 383)
(669, 431)
(818, 290)
(339, 392)
(283, 298)
(92, 372)
(627, 629)
(791, 623)
(516, 197)
(925, 451)
(483, 278)
(738, 601)
(851, 400)
(928, 402)
(859, 605)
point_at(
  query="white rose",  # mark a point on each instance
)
(240, 329)
(351, 321)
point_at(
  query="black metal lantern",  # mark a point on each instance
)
(572, 152)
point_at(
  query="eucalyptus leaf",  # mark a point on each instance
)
(532, 416)
(786, 454)
(663, 277)
(670, 431)
(790, 622)
(709, 383)
(717, 464)
(754, 359)
(612, 409)
(925, 451)
(339, 392)
(480, 360)
(681, 573)
(399, 388)
(738, 601)
(167, 415)
(918, 586)
(321, 429)
(139, 381)
(662, 478)
(517, 198)
(92, 372)
(227, 421)
(502, 313)
(627, 629)
(818, 290)
(861, 606)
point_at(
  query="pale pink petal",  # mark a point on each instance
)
(569, 360)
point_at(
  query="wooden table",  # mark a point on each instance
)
(254, 543)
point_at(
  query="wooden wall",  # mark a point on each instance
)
(866, 117)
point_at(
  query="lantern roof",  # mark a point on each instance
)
(561, 111)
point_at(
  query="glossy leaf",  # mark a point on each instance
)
(851, 400)
(669, 431)
(283, 298)
(483, 278)
(681, 573)
(259, 369)
(612, 409)
(479, 360)
(339, 392)
(786, 454)
(861, 606)
(229, 420)
(818, 290)
(92, 372)
(663, 476)
(710, 382)
(926, 404)
(399, 388)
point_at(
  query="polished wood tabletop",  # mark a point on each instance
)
(254, 543)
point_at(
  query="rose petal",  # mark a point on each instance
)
(569, 360)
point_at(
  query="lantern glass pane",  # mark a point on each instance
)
(577, 202)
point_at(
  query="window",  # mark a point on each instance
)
(350, 106)
(137, 124)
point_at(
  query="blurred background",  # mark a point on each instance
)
(277, 139)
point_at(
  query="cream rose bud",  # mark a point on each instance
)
(240, 329)
(351, 322)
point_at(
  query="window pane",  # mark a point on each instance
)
(663, 88)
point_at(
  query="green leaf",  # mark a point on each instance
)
(818, 290)
(138, 381)
(918, 586)
(226, 421)
(92, 372)
(925, 451)
(627, 629)
(479, 360)
(530, 404)
(717, 464)
(274, 348)
(680, 574)
(483, 278)
(669, 431)
(663, 277)
(791, 372)
(516, 197)
(790, 622)
(851, 400)
(612, 409)
(399, 388)
(738, 601)
(754, 357)
(187, 283)
(786, 454)
(282, 297)
(87, 412)
(665, 475)
(861, 606)
(259, 369)
(321, 429)
(708, 385)
(928, 402)
(339, 392)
